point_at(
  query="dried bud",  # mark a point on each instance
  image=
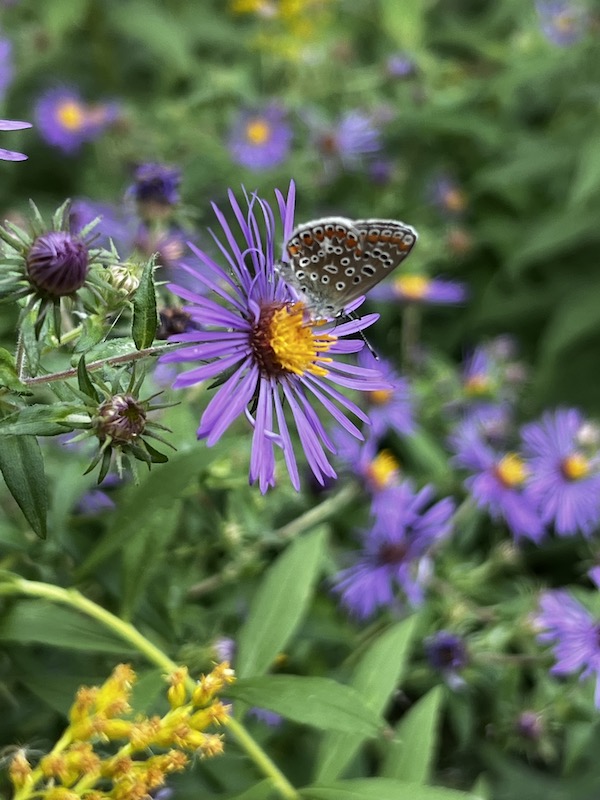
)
(57, 263)
(122, 417)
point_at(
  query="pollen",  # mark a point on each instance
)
(284, 342)
(511, 470)
(383, 470)
(258, 131)
(575, 467)
(412, 287)
(71, 115)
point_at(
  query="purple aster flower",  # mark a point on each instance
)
(395, 551)
(155, 189)
(94, 501)
(66, 122)
(12, 125)
(530, 725)
(490, 373)
(6, 65)
(260, 139)
(447, 654)
(399, 65)
(447, 195)
(381, 171)
(574, 634)
(564, 480)
(413, 288)
(112, 224)
(389, 409)
(375, 469)
(267, 348)
(561, 22)
(497, 482)
(350, 140)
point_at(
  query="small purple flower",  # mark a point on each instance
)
(155, 188)
(447, 654)
(389, 409)
(94, 501)
(260, 139)
(564, 481)
(57, 263)
(530, 725)
(6, 66)
(399, 65)
(447, 195)
(395, 551)
(354, 137)
(66, 122)
(574, 634)
(12, 125)
(375, 469)
(413, 288)
(112, 224)
(497, 481)
(561, 22)
(270, 718)
(268, 349)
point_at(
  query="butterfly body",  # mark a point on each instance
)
(335, 260)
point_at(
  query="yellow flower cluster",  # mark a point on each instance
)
(104, 753)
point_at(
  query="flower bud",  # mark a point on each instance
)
(156, 189)
(57, 263)
(122, 417)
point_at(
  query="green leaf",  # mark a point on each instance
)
(279, 604)
(38, 420)
(42, 622)
(84, 381)
(377, 675)
(110, 349)
(9, 377)
(145, 317)
(22, 466)
(262, 791)
(135, 515)
(320, 702)
(404, 22)
(411, 753)
(586, 182)
(92, 333)
(382, 789)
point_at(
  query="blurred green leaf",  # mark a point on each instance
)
(38, 420)
(145, 317)
(377, 675)
(8, 374)
(404, 22)
(279, 604)
(320, 702)
(410, 756)
(586, 181)
(22, 466)
(381, 789)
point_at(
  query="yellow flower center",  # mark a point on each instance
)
(283, 341)
(383, 470)
(564, 23)
(575, 467)
(71, 115)
(258, 131)
(381, 397)
(454, 200)
(511, 470)
(413, 287)
(477, 385)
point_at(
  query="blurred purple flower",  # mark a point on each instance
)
(564, 479)
(155, 188)
(561, 22)
(376, 469)
(413, 288)
(113, 225)
(395, 551)
(261, 138)
(270, 718)
(12, 125)
(268, 348)
(399, 65)
(447, 195)
(6, 65)
(447, 654)
(574, 634)
(352, 138)
(94, 501)
(66, 121)
(389, 409)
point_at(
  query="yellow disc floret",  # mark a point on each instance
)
(511, 470)
(383, 470)
(381, 397)
(412, 287)
(575, 467)
(258, 131)
(71, 115)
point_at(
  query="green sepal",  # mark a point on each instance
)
(84, 381)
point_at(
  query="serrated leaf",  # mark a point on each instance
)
(411, 753)
(145, 317)
(9, 377)
(38, 420)
(22, 466)
(279, 604)
(42, 622)
(382, 789)
(377, 675)
(84, 381)
(320, 702)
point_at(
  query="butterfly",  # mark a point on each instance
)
(334, 260)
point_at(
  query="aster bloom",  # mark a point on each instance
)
(394, 558)
(447, 195)
(447, 654)
(12, 125)
(562, 22)
(574, 634)
(155, 189)
(375, 469)
(399, 65)
(66, 121)
(6, 65)
(260, 138)
(389, 409)
(267, 349)
(497, 480)
(564, 481)
(347, 143)
(414, 288)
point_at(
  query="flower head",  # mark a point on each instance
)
(395, 551)
(268, 349)
(447, 654)
(389, 409)
(416, 288)
(12, 125)
(155, 189)
(6, 65)
(261, 138)
(57, 263)
(375, 469)
(447, 195)
(66, 121)
(399, 65)
(564, 474)
(562, 22)
(347, 142)
(574, 634)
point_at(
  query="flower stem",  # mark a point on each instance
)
(127, 632)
